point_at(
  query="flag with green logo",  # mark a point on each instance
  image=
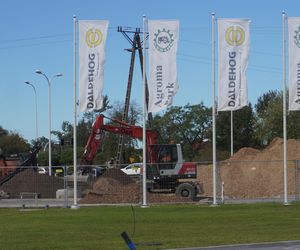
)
(233, 54)
(163, 80)
(92, 38)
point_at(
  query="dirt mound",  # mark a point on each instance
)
(245, 154)
(117, 175)
(32, 182)
(252, 173)
(114, 186)
(109, 193)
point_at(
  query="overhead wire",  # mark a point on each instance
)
(203, 60)
(34, 44)
(181, 56)
(35, 38)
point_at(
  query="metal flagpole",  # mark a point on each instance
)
(144, 116)
(231, 132)
(75, 205)
(49, 111)
(214, 110)
(284, 107)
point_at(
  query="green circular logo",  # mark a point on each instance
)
(163, 40)
(297, 37)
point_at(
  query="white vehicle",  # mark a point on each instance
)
(42, 170)
(133, 169)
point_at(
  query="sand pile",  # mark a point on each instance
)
(252, 173)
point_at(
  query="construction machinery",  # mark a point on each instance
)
(165, 170)
(20, 164)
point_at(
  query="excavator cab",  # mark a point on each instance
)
(161, 157)
(167, 162)
(167, 156)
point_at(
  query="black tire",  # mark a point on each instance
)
(186, 190)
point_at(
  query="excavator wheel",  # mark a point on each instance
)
(186, 190)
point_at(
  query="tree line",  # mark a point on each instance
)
(191, 125)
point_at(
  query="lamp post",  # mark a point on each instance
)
(49, 107)
(36, 112)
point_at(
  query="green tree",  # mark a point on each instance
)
(269, 118)
(265, 100)
(3, 132)
(243, 133)
(293, 125)
(269, 113)
(189, 125)
(12, 142)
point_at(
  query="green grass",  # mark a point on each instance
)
(173, 226)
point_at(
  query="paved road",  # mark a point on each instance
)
(283, 245)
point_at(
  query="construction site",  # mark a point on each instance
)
(247, 174)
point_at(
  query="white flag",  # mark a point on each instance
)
(163, 82)
(294, 62)
(92, 38)
(233, 53)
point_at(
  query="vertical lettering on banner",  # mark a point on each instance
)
(294, 63)
(162, 83)
(233, 49)
(92, 38)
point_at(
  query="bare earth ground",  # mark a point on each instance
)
(249, 173)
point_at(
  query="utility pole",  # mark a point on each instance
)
(136, 45)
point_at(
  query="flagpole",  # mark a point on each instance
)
(231, 132)
(284, 107)
(144, 204)
(214, 110)
(75, 205)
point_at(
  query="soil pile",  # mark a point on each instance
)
(252, 173)
(114, 186)
(117, 175)
(32, 182)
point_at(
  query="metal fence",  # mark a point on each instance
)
(237, 181)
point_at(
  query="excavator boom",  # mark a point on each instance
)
(123, 128)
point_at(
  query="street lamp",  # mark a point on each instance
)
(49, 106)
(36, 112)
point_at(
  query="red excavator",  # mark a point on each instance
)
(166, 169)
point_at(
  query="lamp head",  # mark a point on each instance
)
(38, 72)
(59, 74)
(27, 82)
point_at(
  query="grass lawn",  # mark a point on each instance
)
(171, 225)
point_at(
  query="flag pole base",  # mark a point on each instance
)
(75, 207)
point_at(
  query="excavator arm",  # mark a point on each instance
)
(99, 127)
